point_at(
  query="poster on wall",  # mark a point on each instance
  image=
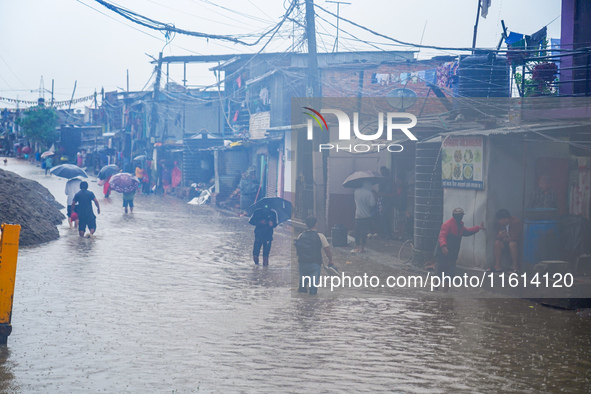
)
(462, 162)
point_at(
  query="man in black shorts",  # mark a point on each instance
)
(84, 199)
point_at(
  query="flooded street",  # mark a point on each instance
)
(167, 298)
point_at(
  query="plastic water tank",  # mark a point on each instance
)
(484, 76)
(540, 242)
(484, 85)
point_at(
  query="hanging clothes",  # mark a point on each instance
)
(404, 77)
(445, 73)
(383, 79)
(535, 40)
(431, 76)
(513, 37)
(264, 96)
(176, 175)
(485, 5)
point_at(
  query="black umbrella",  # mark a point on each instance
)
(281, 206)
(356, 179)
(107, 171)
(68, 171)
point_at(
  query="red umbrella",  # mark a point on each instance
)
(26, 149)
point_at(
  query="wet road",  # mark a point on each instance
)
(167, 299)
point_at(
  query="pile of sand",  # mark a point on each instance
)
(26, 202)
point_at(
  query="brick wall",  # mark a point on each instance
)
(344, 81)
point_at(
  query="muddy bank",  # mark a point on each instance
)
(26, 202)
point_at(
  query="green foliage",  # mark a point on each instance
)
(39, 125)
(530, 86)
(533, 88)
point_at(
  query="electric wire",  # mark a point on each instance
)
(161, 26)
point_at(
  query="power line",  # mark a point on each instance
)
(184, 12)
(167, 27)
(410, 44)
(336, 41)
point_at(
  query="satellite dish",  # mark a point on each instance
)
(401, 98)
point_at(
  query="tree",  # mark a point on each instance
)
(39, 125)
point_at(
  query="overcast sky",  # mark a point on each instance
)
(81, 40)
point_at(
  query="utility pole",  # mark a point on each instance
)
(185, 98)
(336, 41)
(70, 105)
(41, 89)
(313, 93)
(313, 86)
(476, 25)
(73, 92)
(154, 122)
(52, 93)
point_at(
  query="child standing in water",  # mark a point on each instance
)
(128, 201)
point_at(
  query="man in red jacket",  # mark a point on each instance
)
(450, 237)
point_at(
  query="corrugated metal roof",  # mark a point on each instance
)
(286, 128)
(328, 59)
(226, 63)
(261, 77)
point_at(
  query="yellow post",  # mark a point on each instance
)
(8, 255)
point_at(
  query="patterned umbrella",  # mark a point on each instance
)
(124, 182)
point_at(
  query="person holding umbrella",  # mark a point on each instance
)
(128, 201)
(265, 220)
(267, 213)
(48, 164)
(127, 184)
(364, 204)
(86, 218)
(105, 175)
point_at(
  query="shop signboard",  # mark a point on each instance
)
(462, 162)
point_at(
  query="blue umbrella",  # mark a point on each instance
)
(68, 171)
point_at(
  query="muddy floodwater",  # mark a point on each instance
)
(168, 300)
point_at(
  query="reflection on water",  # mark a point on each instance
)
(167, 299)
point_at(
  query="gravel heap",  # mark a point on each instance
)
(26, 202)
